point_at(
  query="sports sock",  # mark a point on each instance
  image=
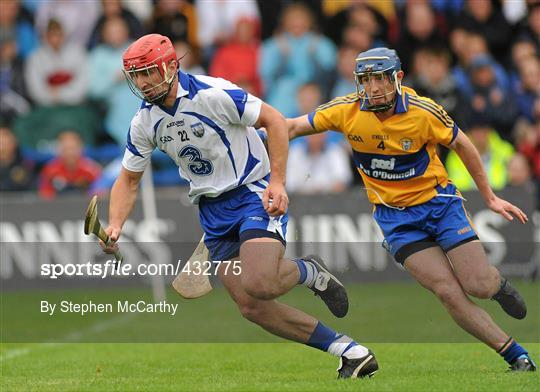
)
(511, 351)
(326, 339)
(308, 272)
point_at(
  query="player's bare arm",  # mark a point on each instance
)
(300, 126)
(473, 162)
(278, 148)
(123, 196)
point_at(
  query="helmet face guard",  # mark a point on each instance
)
(367, 78)
(158, 90)
(149, 58)
(378, 66)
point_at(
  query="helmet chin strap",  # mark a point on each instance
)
(383, 107)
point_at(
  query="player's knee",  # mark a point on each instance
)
(250, 310)
(260, 289)
(480, 288)
(448, 294)
(481, 284)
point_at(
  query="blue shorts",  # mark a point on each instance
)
(442, 221)
(235, 217)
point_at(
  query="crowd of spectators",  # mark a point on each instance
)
(65, 107)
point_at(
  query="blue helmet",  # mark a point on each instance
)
(377, 61)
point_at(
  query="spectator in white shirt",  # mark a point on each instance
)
(318, 167)
(57, 73)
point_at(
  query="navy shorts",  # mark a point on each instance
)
(237, 216)
(442, 221)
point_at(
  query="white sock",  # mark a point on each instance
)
(346, 346)
(311, 272)
(357, 351)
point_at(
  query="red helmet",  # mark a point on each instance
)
(145, 54)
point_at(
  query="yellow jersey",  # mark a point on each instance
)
(397, 157)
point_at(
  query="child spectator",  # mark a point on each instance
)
(70, 170)
(56, 73)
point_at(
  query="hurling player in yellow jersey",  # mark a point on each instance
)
(393, 133)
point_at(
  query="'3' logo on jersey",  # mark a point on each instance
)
(197, 165)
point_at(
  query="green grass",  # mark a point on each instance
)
(416, 343)
(256, 367)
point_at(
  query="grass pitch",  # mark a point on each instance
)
(398, 313)
(256, 367)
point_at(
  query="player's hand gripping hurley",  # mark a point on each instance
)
(92, 225)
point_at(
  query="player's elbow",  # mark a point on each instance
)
(271, 119)
(130, 179)
(277, 122)
(461, 143)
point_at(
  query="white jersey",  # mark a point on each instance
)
(208, 133)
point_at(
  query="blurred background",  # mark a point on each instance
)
(65, 107)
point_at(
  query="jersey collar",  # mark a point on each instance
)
(183, 84)
(181, 91)
(402, 103)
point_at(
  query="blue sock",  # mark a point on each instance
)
(511, 351)
(308, 272)
(326, 339)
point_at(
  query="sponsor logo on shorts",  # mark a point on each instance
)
(256, 218)
(464, 230)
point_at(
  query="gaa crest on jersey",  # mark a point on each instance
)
(406, 143)
(197, 129)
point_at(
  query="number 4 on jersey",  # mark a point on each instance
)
(381, 145)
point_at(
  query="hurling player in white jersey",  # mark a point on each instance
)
(207, 126)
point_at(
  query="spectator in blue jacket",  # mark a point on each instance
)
(528, 90)
(293, 57)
